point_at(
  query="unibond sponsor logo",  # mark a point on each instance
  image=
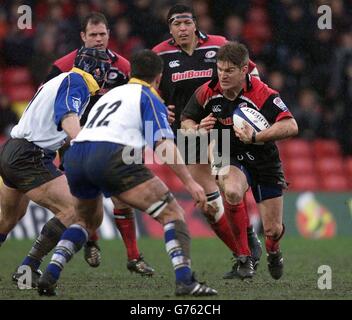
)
(191, 74)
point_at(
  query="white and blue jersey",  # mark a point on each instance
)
(131, 115)
(41, 121)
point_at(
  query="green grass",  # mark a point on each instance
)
(210, 260)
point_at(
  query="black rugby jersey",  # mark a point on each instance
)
(255, 94)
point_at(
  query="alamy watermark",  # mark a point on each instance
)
(325, 20)
(25, 19)
(24, 280)
(325, 280)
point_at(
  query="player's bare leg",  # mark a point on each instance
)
(125, 223)
(152, 197)
(271, 211)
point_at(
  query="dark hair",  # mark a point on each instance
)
(234, 52)
(94, 18)
(180, 8)
(146, 65)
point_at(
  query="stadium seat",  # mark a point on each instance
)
(16, 76)
(295, 148)
(302, 165)
(334, 182)
(23, 92)
(348, 166)
(303, 182)
(326, 148)
(330, 165)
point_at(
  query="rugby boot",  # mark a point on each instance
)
(195, 288)
(241, 269)
(255, 246)
(47, 285)
(140, 266)
(35, 275)
(92, 253)
(275, 264)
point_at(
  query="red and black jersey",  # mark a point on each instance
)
(255, 94)
(184, 73)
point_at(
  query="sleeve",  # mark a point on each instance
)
(194, 109)
(274, 109)
(154, 119)
(72, 97)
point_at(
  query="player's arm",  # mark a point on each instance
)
(162, 140)
(194, 118)
(71, 99)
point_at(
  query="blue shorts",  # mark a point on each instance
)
(93, 168)
(260, 191)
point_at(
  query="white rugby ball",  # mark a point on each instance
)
(251, 116)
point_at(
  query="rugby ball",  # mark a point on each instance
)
(251, 116)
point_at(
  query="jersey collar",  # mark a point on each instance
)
(92, 85)
(146, 84)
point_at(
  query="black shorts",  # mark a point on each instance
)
(98, 167)
(193, 149)
(25, 166)
(265, 184)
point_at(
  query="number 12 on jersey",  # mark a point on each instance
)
(101, 118)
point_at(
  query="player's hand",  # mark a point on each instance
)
(170, 113)
(198, 194)
(207, 123)
(245, 133)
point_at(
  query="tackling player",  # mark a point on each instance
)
(96, 164)
(26, 159)
(251, 164)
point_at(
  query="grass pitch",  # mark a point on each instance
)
(210, 261)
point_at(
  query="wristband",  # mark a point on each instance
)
(254, 134)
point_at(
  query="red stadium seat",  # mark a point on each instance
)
(294, 166)
(303, 182)
(16, 76)
(326, 148)
(332, 182)
(348, 166)
(330, 165)
(295, 148)
(24, 92)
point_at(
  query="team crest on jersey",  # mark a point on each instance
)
(216, 108)
(210, 54)
(76, 103)
(277, 101)
(174, 63)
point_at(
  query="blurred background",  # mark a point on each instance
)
(310, 67)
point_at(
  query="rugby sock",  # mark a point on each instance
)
(70, 243)
(46, 241)
(124, 220)
(177, 242)
(273, 244)
(94, 237)
(238, 221)
(2, 238)
(218, 222)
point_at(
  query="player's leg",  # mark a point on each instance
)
(154, 198)
(125, 223)
(233, 182)
(215, 216)
(92, 254)
(271, 211)
(13, 207)
(88, 217)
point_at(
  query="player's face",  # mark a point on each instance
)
(96, 36)
(230, 75)
(183, 29)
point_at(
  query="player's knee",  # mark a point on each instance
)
(233, 195)
(273, 231)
